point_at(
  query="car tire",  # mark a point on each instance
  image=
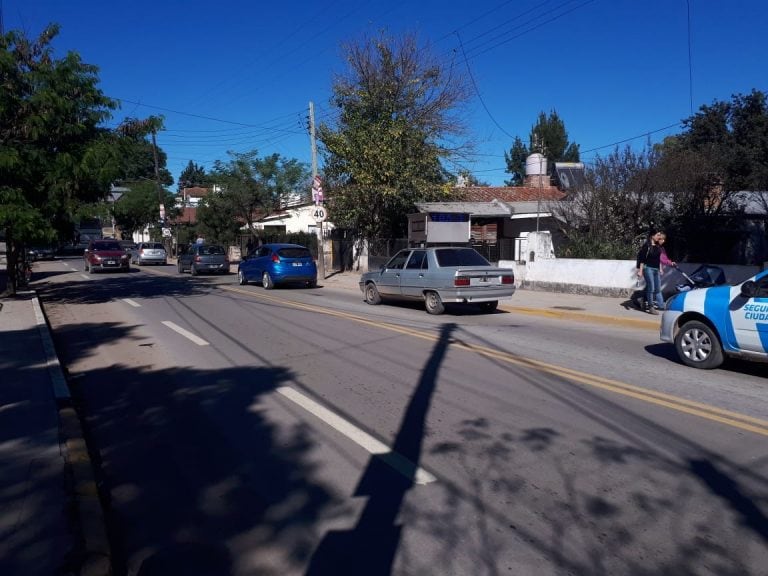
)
(698, 346)
(241, 279)
(433, 303)
(180, 268)
(266, 281)
(489, 307)
(372, 295)
(312, 284)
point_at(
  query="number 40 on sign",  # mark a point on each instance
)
(319, 213)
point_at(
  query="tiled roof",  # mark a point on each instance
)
(195, 192)
(509, 193)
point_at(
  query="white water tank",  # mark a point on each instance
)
(535, 165)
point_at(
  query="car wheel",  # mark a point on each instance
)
(372, 295)
(266, 281)
(489, 307)
(192, 270)
(699, 346)
(179, 267)
(433, 303)
(241, 279)
(312, 284)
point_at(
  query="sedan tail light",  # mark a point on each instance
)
(198, 259)
(275, 258)
(508, 279)
(461, 281)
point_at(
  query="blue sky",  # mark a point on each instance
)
(239, 75)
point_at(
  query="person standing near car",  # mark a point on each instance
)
(650, 261)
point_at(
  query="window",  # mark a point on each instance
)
(416, 261)
(294, 253)
(398, 260)
(459, 257)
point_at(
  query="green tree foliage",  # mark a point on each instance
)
(396, 109)
(255, 187)
(611, 216)
(549, 137)
(138, 207)
(515, 159)
(218, 220)
(193, 175)
(54, 155)
(722, 151)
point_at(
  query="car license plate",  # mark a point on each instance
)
(110, 262)
(297, 263)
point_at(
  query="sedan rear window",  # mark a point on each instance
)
(294, 253)
(211, 250)
(459, 257)
(155, 246)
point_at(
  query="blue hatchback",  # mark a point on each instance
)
(273, 264)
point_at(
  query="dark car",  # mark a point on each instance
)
(437, 275)
(204, 258)
(273, 264)
(41, 252)
(105, 255)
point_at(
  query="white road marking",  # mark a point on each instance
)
(359, 437)
(85, 276)
(186, 333)
(132, 302)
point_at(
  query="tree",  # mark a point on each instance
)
(722, 151)
(397, 109)
(54, 155)
(217, 218)
(143, 172)
(549, 137)
(515, 159)
(255, 187)
(615, 212)
(193, 175)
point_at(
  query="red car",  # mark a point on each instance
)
(106, 255)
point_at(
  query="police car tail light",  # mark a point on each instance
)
(508, 279)
(461, 281)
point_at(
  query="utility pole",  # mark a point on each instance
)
(320, 243)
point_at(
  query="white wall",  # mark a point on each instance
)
(601, 277)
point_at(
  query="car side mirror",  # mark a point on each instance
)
(749, 289)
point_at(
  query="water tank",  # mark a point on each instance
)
(535, 164)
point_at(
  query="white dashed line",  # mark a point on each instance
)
(186, 333)
(132, 302)
(359, 437)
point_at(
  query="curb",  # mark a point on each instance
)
(96, 551)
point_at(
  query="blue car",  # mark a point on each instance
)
(273, 264)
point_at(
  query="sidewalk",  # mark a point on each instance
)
(50, 517)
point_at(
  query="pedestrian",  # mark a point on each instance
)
(651, 260)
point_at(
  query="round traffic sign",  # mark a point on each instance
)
(319, 213)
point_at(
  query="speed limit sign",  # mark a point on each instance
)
(319, 213)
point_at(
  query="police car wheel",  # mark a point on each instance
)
(698, 346)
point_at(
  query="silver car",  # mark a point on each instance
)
(149, 253)
(438, 275)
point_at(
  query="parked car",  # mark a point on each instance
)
(44, 252)
(708, 324)
(105, 255)
(149, 253)
(274, 264)
(438, 275)
(204, 258)
(128, 246)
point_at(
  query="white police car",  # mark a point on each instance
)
(710, 323)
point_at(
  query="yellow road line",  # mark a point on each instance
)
(706, 411)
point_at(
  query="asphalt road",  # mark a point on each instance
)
(240, 431)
